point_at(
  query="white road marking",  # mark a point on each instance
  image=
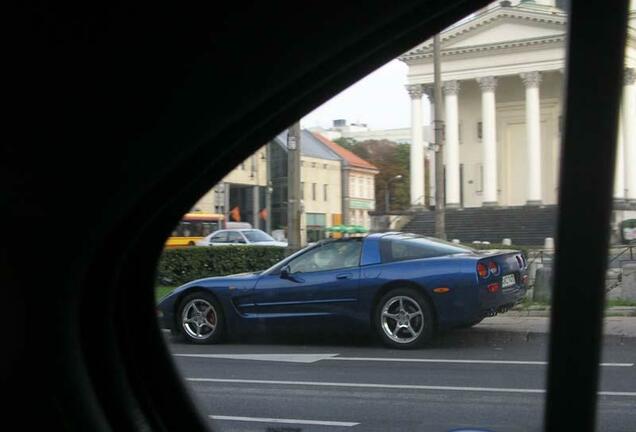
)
(502, 362)
(286, 421)
(292, 358)
(313, 358)
(391, 386)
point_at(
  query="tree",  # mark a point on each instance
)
(347, 143)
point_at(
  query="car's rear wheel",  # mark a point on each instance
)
(201, 318)
(404, 319)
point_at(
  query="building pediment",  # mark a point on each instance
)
(501, 27)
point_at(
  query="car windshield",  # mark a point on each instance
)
(256, 236)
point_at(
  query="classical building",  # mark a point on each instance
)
(503, 79)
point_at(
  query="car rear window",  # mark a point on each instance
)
(414, 247)
(257, 236)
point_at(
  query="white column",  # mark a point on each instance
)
(451, 147)
(629, 133)
(533, 133)
(619, 168)
(429, 152)
(489, 139)
(417, 148)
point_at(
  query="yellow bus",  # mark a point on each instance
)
(193, 227)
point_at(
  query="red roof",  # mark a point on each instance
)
(351, 158)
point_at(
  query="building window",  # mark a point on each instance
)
(313, 191)
(324, 192)
(302, 190)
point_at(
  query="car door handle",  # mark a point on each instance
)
(344, 276)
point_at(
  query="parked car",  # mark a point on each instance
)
(239, 236)
(403, 286)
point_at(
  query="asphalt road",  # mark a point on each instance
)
(314, 384)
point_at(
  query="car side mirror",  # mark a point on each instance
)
(284, 272)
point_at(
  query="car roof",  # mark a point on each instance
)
(239, 229)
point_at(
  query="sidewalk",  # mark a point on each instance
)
(544, 311)
(515, 327)
(613, 325)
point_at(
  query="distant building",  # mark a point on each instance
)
(360, 132)
(358, 184)
(245, 190)
(320, 176)
(336, 187)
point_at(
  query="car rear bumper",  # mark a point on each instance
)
(501, 301)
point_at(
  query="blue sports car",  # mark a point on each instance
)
(402, 286)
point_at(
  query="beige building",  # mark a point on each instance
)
(321, 196)
(358, 184)
(245, 188)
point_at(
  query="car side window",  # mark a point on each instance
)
(219, 238)
(235, 237)
(330, 256)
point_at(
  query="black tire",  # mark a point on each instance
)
(199, 330)
(421, 325)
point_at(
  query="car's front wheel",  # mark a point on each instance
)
(404, 319)
(201, 318)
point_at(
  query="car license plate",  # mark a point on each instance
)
(508, 280)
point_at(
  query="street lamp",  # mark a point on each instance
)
(387, 192)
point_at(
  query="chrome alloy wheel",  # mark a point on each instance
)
(402, 319)
(199, 319)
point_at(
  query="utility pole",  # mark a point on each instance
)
(268, 188)
(440, 212)
(293, 187)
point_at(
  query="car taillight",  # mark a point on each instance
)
(493, 268)
(493, 287)
(482, 270)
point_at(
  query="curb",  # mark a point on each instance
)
(479, 337)
(616, 311)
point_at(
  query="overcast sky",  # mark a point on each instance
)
(379, 100)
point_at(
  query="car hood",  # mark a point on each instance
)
(223, 280)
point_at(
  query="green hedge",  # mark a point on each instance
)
(181, 265)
